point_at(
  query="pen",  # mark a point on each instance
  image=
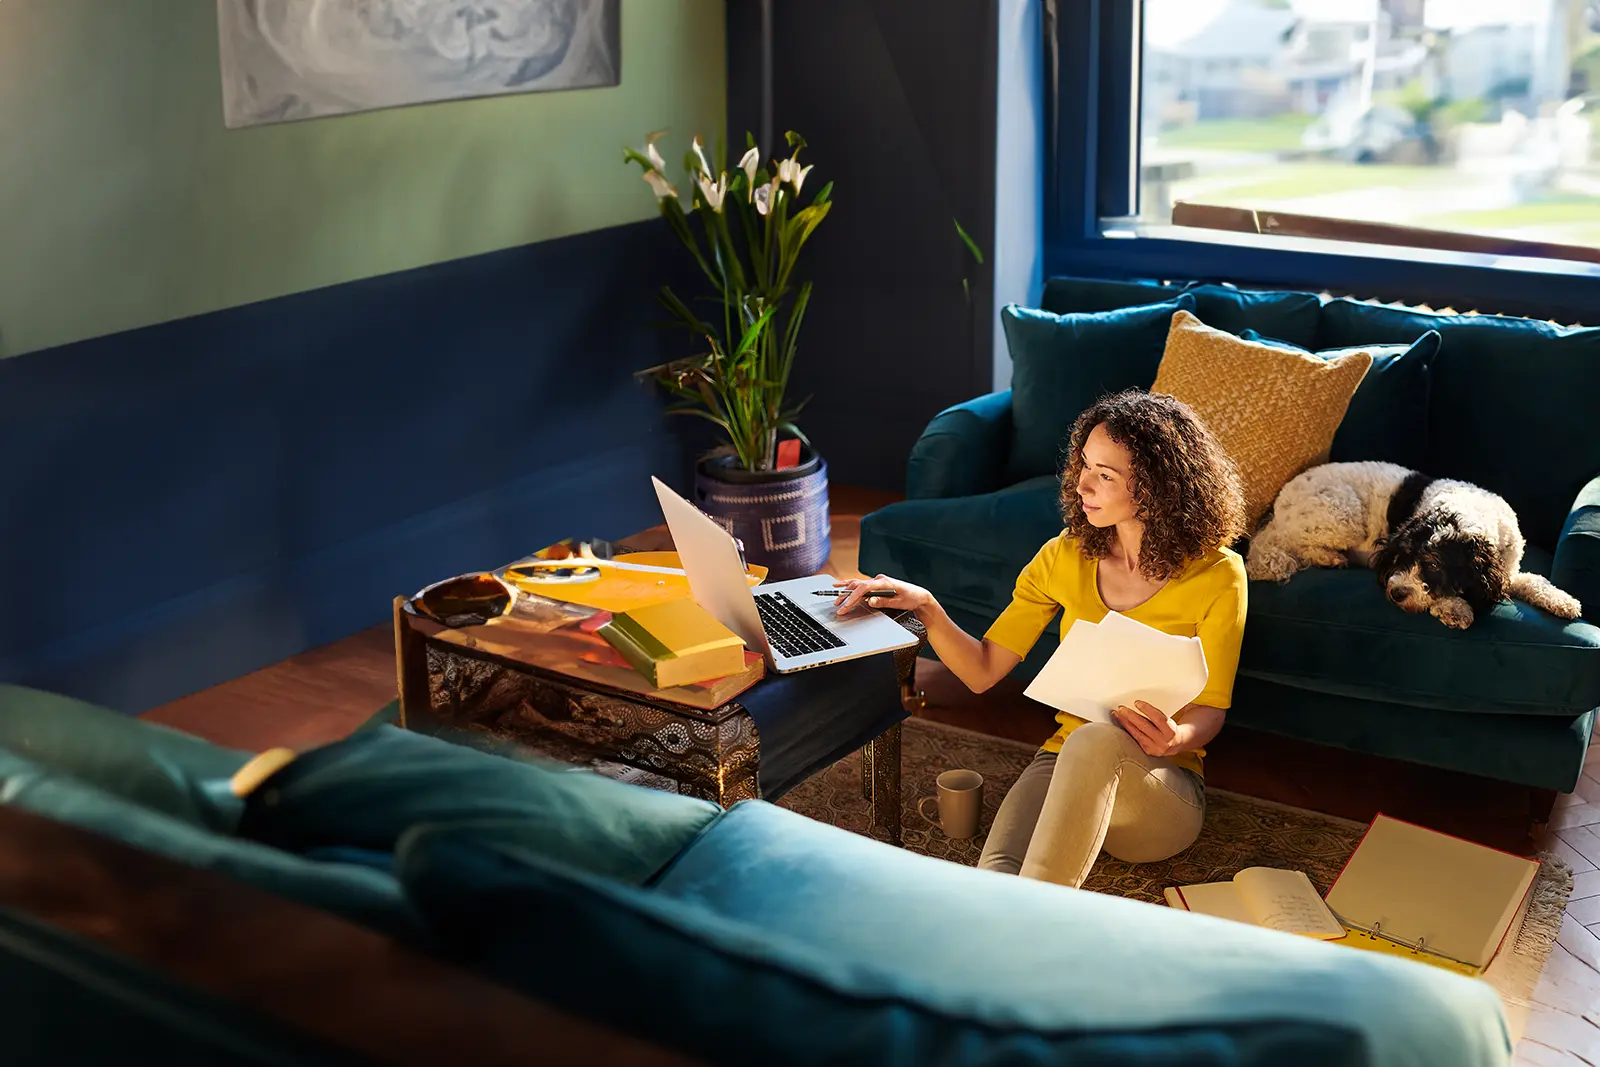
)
(846, 592)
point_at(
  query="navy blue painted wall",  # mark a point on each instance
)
(190, 501)
(896, 98)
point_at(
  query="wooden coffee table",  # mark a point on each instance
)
(477, 686)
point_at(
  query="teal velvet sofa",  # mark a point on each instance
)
(1507, 403)
(747, 936)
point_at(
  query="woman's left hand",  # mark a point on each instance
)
(1155, 732)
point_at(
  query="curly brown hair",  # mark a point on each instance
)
(1185, 487)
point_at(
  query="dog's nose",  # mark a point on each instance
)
(1398, 593)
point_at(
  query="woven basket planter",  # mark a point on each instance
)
(780, 516)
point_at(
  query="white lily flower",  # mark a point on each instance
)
(650, 151)
(767, 197)
(700, 154)
(714, 192)
(800, 178)
(788, 169)
(749, 163)
(659, 185)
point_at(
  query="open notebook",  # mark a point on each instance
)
(1405, 891)
(1424, 890)
(1263, 896)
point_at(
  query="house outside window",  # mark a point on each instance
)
(1465, 117)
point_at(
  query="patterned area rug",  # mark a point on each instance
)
(1239, 832)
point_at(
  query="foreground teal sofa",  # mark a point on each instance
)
(747, 936)
(1510, 404)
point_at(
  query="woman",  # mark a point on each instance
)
(1150, 502)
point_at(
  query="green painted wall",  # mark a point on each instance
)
(124, 201)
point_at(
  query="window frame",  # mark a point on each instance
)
(1091, 159)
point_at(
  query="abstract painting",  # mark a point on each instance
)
(299, 59)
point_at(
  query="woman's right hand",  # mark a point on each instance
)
(906, 597)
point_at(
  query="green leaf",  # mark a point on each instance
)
(791, 333)
(788, 425)
(823, 194)
(972, 246)
(794, 139)
(752, 332)
(685, 315)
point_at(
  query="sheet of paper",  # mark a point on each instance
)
(1221, 899)
(1099, 667)
(1287, 901)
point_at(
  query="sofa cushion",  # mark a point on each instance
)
(1274, 411)
(1388, 416)
(151, 765)
(1512, 405)
(969, 548)
(1289, 316)
(356, 891)
(367, 790)
(784, 941)
(1576, 567)
(1333, 631)
(1060, 364)
(1292, 316)
(1063, 295)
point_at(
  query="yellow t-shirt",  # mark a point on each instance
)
(1205, 599)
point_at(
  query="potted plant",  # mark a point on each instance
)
(745, 229)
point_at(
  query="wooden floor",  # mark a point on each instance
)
(321, 695)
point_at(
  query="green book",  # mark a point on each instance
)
(676, 642)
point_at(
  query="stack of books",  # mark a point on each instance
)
(676, 642)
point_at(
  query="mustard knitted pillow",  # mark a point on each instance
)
(1274, 411)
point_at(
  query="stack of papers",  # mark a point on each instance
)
(1102, 666)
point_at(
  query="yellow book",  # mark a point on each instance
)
(1262, 896)
(675, 643)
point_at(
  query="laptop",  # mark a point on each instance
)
(785, 621)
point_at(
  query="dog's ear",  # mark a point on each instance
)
(1475, 569)
(1397, 545)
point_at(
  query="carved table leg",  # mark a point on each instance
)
(883, 756)
(866, 771)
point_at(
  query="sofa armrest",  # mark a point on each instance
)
(1577, 564)
(963, 451)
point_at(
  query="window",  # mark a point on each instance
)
(1114, 178)
(1470, 117)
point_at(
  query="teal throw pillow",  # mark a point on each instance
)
(364, 792)
(1388, 417)
(1061, 364)
(1288, 315)
(151, 765)
(356, 891)
(1065, 294)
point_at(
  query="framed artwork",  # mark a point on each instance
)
(284, 60)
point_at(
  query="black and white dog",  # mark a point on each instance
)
(1448, 548)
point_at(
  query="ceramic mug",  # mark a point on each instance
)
(960, 802)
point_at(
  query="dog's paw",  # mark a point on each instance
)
(1565, 606)
(1270, 565)
(1325, 557)
(1456, 614)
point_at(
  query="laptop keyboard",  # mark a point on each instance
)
(789, 629)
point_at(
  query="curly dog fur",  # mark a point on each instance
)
(1444, 547)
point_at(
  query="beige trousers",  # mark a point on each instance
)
(1101, 790)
